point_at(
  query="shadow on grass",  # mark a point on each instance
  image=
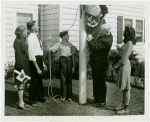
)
(11, 98)
(9, 82)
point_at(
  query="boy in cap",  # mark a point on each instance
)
(37, 64)
(66, 65)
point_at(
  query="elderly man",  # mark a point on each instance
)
(99, 63)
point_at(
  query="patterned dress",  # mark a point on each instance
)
(123, 76)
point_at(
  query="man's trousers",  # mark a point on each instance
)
(65, 65)
(36, 86)
(99, 84)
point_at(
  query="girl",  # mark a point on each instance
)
(124, 69)
(21, 61)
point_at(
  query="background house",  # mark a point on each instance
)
(54, 18)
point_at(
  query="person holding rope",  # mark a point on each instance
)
(35, 50)
(99, 63)
(66, 65)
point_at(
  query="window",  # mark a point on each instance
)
(138, 26)
(23, 18)
(139, 30)
(128, 22)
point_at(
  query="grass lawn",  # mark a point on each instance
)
(114, 98)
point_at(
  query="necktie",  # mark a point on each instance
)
(39, 42)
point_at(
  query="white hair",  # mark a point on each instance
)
(106, 29)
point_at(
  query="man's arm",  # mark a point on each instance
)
(99, 45)
(102, 43)
(32, 55)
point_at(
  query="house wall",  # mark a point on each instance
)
(50, 16)
(68, 13)
(129, 12)
(11, 11)
(56, 18)
(67, 17)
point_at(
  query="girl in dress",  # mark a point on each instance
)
(124, 69)
(21, 62)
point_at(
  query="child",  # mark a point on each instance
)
(21, 62)
(66, 65)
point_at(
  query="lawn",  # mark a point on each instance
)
(114, 98)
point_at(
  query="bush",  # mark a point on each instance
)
(55, 64)
(9, 70)
(137, 67)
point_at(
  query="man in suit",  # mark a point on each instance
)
(99, 62)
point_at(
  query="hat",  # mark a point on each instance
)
(93, 10)
(19, 30)
(104, 9)
(63, 33)
(30, 24)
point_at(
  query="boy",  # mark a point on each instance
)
(66, 65)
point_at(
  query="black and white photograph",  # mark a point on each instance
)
(74, 59)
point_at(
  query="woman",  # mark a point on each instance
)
(21, 61)
(124, 69)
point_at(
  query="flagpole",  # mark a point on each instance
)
(82, 59)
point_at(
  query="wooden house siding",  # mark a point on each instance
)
(56, 18)
(11, 11)
(50, 17)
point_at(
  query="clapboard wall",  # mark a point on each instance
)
(55, 18)
(68, 14)
(50, 24)
(129, 12)
(11, 11)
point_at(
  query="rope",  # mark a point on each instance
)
(74, 19)
(59, 99)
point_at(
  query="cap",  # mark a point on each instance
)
(30, 24)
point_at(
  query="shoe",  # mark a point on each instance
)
(69, 99)
(63, 99)
(41, 100)
(119, 108)
(93, 101)
(22, 108)
(32, 103)
(101, 104)
(123, 111)
(26, 105)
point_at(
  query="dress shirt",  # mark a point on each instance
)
(64, 47)
(34, 48)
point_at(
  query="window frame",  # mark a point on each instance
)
(134, 25)
(23, 13)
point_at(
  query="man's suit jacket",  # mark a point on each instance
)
(100, 48)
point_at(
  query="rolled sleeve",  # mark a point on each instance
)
(55, 47)
(31, 49)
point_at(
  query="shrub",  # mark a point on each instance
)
(137, 67)
(55, 64)
(9, 68)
